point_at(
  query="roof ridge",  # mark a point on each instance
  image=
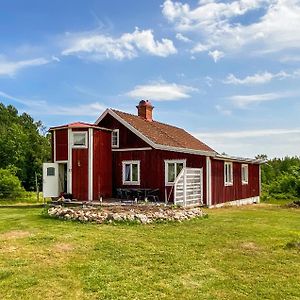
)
(153, 121)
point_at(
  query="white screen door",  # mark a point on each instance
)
(50, 180)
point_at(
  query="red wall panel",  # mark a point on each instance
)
(127, 138)
(152, 168)
(102, 164)
(80, 173)
(61, 137)
(222, 193)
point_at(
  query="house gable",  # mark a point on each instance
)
(127, 138)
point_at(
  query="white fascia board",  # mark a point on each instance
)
(239, 159)
(184, 150)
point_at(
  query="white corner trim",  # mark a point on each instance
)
(54, 146)
(69, 176)
(245, 201)
(132, 149)
(124, 162)
(208, 181)
(90, 164)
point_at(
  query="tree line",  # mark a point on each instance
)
(280, 178)
(24, 146)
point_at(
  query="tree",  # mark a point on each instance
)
(22, 145)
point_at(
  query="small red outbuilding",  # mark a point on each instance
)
(125, 151)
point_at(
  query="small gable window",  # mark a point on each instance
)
(228, 173)
(244, 174)
(79, 139)
(115, 138)
(131, 172)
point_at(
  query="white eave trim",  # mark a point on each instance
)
(148, 141)
(238, 159)
(132, 149)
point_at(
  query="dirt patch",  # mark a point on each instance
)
(63, 247)
(250, 246)
(8, 249)
(15, 234)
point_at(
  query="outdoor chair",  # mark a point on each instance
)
(153, 195)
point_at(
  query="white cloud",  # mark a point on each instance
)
(214, 24)
(42, 107)
(260, 78)
(98, 46)
(161, 91)
(10, 68)
(223, 110)
(181, 37)
(216, 55)
(243, 101)
(277, 142)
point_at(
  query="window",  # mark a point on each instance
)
(115, 138)
(228, 173)
(79, 139)
(131, 172)
(244, 174)
(50, 171)
(172, 170)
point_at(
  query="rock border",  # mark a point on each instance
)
(132, 214)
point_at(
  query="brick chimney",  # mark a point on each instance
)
(145, 110)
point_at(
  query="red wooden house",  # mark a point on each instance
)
(125, 151)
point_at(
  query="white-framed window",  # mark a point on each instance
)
(79, 139)
(244, 174)
(115, 138)
(131, 172)
(172, 170)
(228, 173)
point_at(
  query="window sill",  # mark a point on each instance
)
(131, 183)
(228, 183)
(79, 147)
(245, 182)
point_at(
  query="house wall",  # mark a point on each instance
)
(61, 137)
(237, 191)
(80, 171)
(127, 138)
(152, 169)
(102, 164)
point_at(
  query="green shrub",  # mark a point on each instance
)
(10, 185)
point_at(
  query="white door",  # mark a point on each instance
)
(50, 180)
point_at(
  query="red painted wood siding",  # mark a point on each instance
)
(127, 139)
(152, 168)
(222, 193)
(61, 137)
(80, 173)
(102, 164)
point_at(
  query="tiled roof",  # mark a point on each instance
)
(163, 134)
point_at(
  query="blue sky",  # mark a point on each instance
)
(226, 71)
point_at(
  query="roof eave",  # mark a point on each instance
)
(239, 159)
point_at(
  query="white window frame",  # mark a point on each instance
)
(176, 161)
(228, 181)
(130, 162)
(118, 138)
(85, 139)
(246, 167)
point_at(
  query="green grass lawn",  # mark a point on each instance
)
(235, 253)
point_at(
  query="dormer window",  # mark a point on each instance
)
(115, 138)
